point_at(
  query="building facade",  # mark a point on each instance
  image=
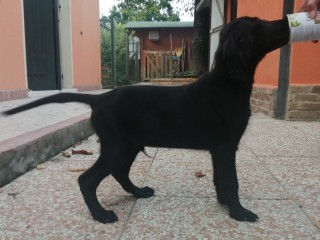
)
(48, 46)
(287, 82)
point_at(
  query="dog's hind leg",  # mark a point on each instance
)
(122, 176)
(217, 183)
(224, 157)
(90, 180)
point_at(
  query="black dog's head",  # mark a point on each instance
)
(245, 41)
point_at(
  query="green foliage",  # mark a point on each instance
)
(120, 50)
(144, 10)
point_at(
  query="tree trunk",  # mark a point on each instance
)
(200, 41)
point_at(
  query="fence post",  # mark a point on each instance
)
(113, 54)
(136, 62)
(127, 59)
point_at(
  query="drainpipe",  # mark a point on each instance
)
(284, 70)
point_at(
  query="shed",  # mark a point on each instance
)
(163, 49)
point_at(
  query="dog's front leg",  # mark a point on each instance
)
(226, 181)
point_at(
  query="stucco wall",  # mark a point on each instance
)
(12, 57)
(268, 70)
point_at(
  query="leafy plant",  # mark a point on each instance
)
(120, 51)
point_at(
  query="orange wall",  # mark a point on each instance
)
(305, 61)
(12, 60)
(86, 42)
(268, 70)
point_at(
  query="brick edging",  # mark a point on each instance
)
(304, 103)
(263, 99)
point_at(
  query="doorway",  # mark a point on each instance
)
(42, 44)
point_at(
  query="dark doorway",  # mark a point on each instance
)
(42, 44)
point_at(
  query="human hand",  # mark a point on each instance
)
(312, 7)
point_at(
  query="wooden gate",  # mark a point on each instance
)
(158, 64)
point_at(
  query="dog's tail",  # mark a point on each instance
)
(57, 98)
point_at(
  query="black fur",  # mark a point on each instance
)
(211, 114)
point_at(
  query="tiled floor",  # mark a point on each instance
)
(279, 175)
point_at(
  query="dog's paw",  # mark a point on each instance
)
(106, 216)
(243, 215)
(144, 192)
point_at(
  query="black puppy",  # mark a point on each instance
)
(211, 114)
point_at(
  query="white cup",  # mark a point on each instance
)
(303, 28)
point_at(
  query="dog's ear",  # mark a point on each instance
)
(236, 55)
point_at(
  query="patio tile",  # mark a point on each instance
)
(173, 173)
(255, 181)
(301, 178)
(276, 182)
(309, 128)
(269, 137)
(57, 211)
(46, 202)
(183, 155)
(175, 176)
(203, 218)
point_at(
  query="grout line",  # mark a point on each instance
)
(306, 214)
(153, 160)
(286, 188)
(286, 156)
(258, 158)
(126, 222)
(135, 201)
(267, 199)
